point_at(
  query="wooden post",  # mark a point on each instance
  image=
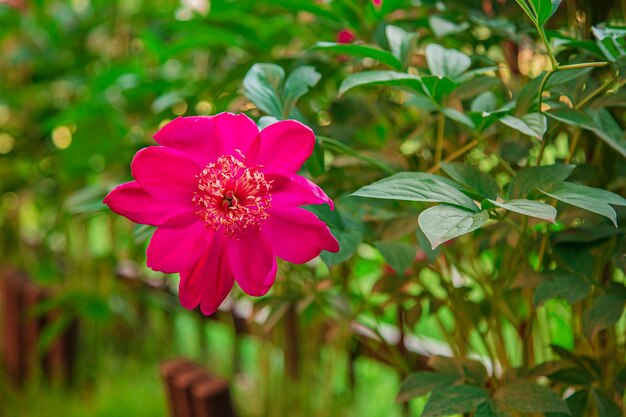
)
(13, 336)
(211, 398)
(170, 370)
(32, 327)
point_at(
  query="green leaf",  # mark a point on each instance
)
(605, 406)
(545, 9)
(459, 117)
(486, 102)
(599, 122)
(442, 27)
(315, 164)
(443, 222)
(297, 85)
(577, 403)
(444, 62)
(266, 121)
(457, 399)
(605, 311)
(490, 409)
(421, 383)
(528, 208)
(528, 397)
(392, 78)
(531, 124)
(607, 129)
(401, 42)
(595, 200)
(568, 286)
(572, 117)
(473, 178)
(399, 255)
(610, 40)
(261, 85)
(438, 87)
(362, 51)
(349, 241)
(403, 188)
(527, 179)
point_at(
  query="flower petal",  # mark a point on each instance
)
(296, 191)
(165, 173)
(285, 146)
(297, 235)
(235, 131)
(177, 248)
(205, 138)
(253, 262)
(193, 136)
(209, 281)
(132, 202)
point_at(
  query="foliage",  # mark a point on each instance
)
(475, 151)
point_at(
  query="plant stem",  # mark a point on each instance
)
(468, 146)
(572, 146)
(439, 144)
(541, 150)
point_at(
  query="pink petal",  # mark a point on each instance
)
(296, 191)
(177, 248)
(193, 136)
(297, 235)
(209, 281)
(132, 202)
(235, 131)
(253, 262)
(205, 138)
(165, 173)
(285, 146)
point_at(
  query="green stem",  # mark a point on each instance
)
(439, 144)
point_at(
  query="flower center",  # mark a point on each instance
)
(231, 196)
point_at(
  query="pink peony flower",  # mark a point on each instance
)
(377, 3)
(225, 198)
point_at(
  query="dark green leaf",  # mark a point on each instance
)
(443, 222)
(473, 178)
(568, 286)
(490, 409)
(363, 51)
(572, 117)
(297, 85)
(605, 311)
(605, 406)
(446, 62)
(457, 399)
(421, 383)
(399, 255)
(438, 87)
(401, 187)
(595, 200)
(607, 129)
(261, 86)
(573, 376)
(528, 397)
(392, 78)
(530, 178)
(545, 9)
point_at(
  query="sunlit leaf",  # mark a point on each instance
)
(444, 222)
